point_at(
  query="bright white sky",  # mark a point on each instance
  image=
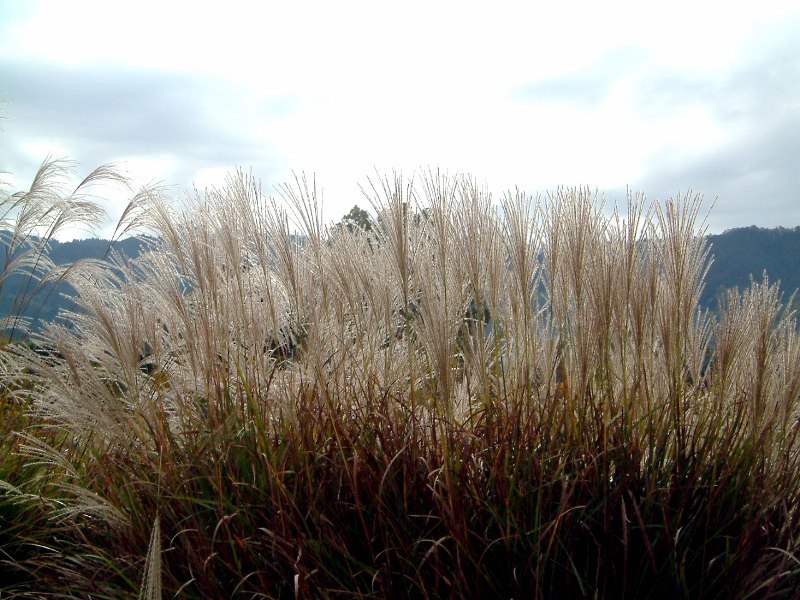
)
(658, 98)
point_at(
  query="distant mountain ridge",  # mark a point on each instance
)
(739, 255)
(47, 302)
(747, 252)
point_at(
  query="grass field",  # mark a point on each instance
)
(473, 396)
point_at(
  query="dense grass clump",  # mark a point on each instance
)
(461, 398)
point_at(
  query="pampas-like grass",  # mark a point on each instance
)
(151, 582)
(30, 219)
(470, 398)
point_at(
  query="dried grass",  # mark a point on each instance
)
(463, 400)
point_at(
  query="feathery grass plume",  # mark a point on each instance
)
(30, 219)
(151, 580)
(466, 400)
(630, 294)
(682, 261)
(478, 242)
(439, 272)
(517, 318)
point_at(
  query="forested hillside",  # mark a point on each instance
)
(739, 254)
(44, 304)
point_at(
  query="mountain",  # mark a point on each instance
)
(45, 304)
(748, 252)
(739, 255)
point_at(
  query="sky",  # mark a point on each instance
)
(660, 99)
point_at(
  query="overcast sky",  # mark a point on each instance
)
(658, 98)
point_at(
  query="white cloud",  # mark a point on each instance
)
(605, 94)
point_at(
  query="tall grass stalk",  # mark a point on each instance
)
(470, 398)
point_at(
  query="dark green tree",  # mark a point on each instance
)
(357, 217)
